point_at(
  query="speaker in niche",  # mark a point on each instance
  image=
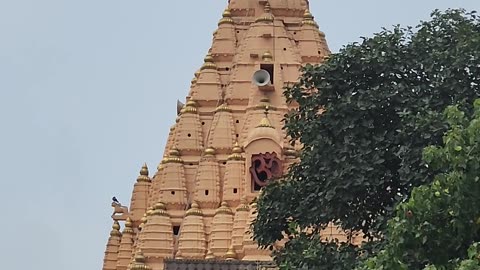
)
(261, 78)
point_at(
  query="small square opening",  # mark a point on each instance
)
(176, 230)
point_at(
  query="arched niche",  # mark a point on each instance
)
(263, 156)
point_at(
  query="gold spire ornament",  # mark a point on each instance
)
(265, 122)
(226, 18)
(208, 63)
(139, 262)
(267, 16)
(115, 229)
(143, 177)
(308, 19)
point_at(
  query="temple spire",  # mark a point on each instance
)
(126, 246)
(156, 237)
(222, 226)
(234, 176)
(239, 223)
(192, 241)
(139, 202)
(225, 144)
(111, 252)
(207, 189)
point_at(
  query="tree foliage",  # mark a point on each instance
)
(381, 103)
(442, 219)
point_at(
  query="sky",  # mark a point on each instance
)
(88, 92)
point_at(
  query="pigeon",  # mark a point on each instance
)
(114, 199)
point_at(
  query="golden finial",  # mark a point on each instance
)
(208, 63)
(116, 225)
(128, 223)
(210, 151)
(223, 108)
(226, 18)
(236, 148)
(174, 156)
(226, 13)
(139, 263)
(243, 205)
(267, 56)
(224, 209)
(210, 255)
(265, 122)
(144, 170)
(267, 16)
(308, 19)
(115, 229)
(231, 254)
(143, 177)
(128, 226)
(190, 107)
(149, 211)
(290, 152)
(236, 152)
(307, 15)
(174, 152)
(159, 210)
(194, 211)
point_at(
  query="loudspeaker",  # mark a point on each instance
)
(179, 107)
(261, 78)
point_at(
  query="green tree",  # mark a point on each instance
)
(440, 220)
(381, 103)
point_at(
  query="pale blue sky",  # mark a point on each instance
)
(87, 94)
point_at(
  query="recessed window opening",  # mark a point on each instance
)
(269, 69)
(206, 192)
(238, 121)
(203, 123)
(173, 192)
(189, 135)
(235, 190)
(176, 230)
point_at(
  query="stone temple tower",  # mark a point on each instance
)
(226, 144)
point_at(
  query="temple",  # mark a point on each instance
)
(225, 145)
